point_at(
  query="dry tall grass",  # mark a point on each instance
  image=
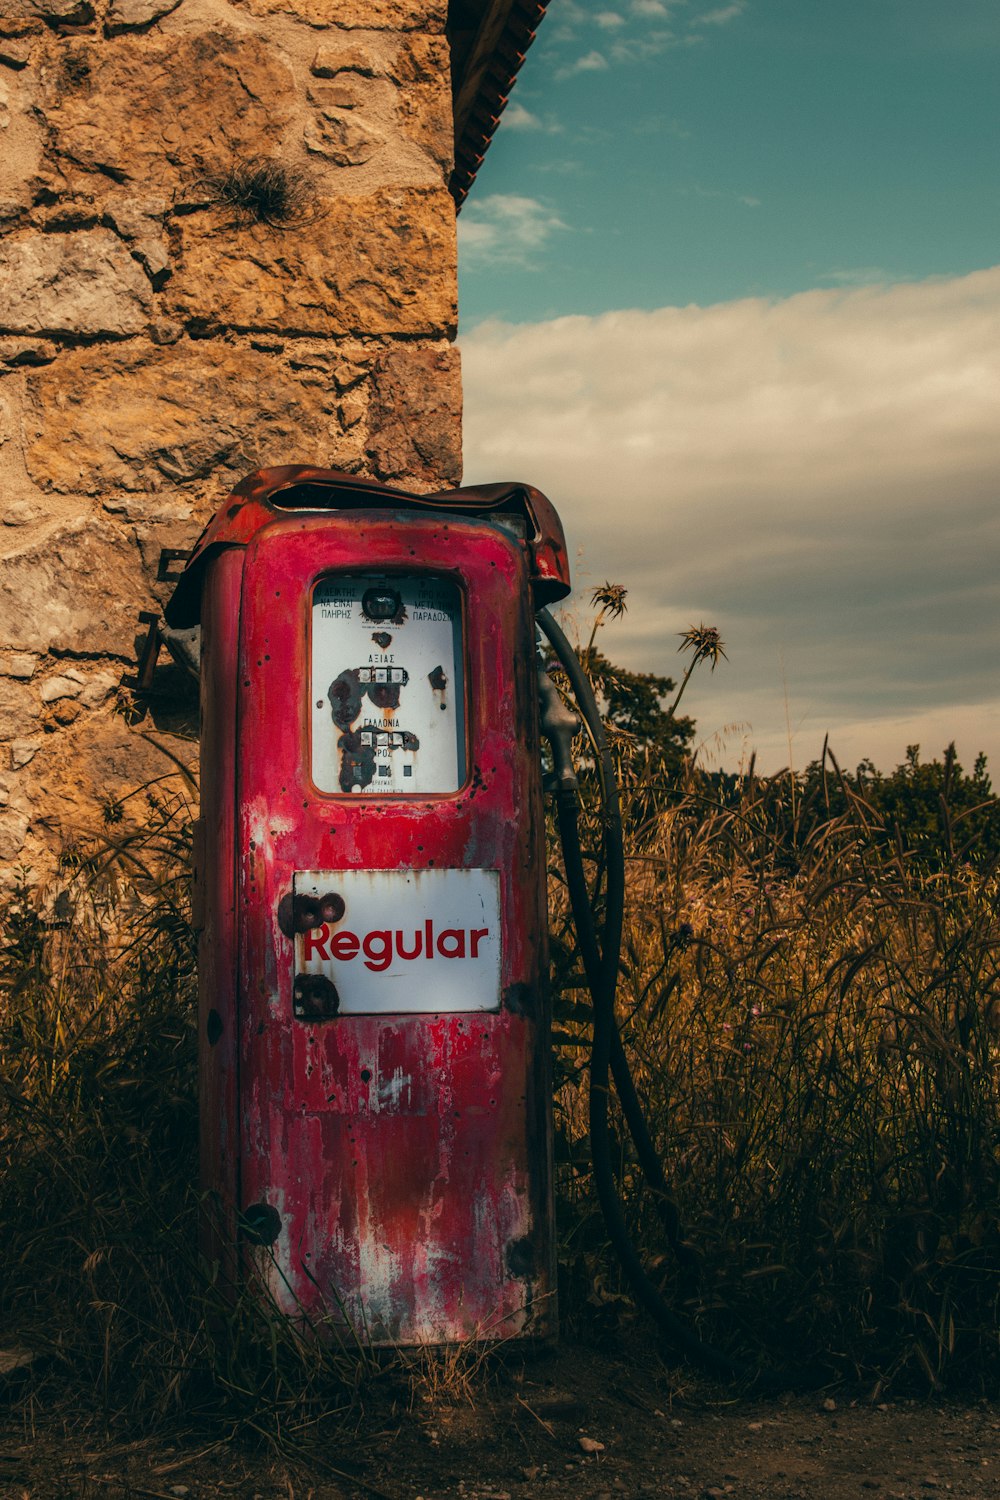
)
(100, 1273)
(814, 1025)
(813, 1019)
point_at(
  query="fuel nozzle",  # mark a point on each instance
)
(559, 724)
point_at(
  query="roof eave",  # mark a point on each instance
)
(489, 39)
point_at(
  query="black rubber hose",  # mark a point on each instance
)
(601, 966)
(649, 1161)
(583, 920)
(603, 986)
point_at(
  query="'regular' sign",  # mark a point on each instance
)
(396, 942)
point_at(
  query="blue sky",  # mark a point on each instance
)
(729, 294)
(694, 153)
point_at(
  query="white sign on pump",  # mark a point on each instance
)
(408, 941)
(386, 685)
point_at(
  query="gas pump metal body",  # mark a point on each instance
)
(374, 1084)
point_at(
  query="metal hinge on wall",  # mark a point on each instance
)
(169, 556)
(183, 645)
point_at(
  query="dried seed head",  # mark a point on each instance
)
(706, 643)
(610, 597)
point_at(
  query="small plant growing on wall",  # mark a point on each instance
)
(262, 191)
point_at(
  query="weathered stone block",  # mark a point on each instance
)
(345, 139)
(22, 752)
(348, 91)
(21, 132)
(139, 417)
(131, 15)
(16, 21)
(22, 513)
(85, 282)
(18, 716)
(366, 15)
(20, 664)
(15, 52)
(144, 233)
(369, 265)
(71, 776)
(184, 105)
(13, 832)
(55, 12)
(69, 685)
(343, 55)
(415, 415)
(421, 71)
(77, 589)
(15, 352)
(98, 688)
(411, 87)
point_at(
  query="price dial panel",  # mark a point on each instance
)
(387, 685)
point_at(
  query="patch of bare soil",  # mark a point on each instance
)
(572, 1423)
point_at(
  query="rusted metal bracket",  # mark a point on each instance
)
(165, 572)
(147, 654)
(183, 645)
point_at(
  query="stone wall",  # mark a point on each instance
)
(225, 242)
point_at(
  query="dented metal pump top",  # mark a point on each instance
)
(370, 878)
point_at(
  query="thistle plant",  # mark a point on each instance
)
(705, 644)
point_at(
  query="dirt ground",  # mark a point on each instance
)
(573, 1423)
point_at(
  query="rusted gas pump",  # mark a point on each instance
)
(375, 1077)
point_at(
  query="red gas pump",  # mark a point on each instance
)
(375, 1090)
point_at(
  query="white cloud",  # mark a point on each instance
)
(723, 15)
(818, 476)
(516, 117)
(652, 44)
(609, 20)
(591, 62)
(566, 166)
(505, 229)
(655, 8)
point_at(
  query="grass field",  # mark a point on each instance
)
(812, 1015)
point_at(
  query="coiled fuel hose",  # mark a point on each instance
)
(608, 1058)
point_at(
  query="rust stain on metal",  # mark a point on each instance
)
(299, 913)
(345, 697)
(439, 682)
(384, 694)
(348, 691)
(314, 997)
(382, 638)
(357, 761)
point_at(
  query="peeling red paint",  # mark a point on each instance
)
(407, 1157)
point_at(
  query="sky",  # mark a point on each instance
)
(730, 295)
